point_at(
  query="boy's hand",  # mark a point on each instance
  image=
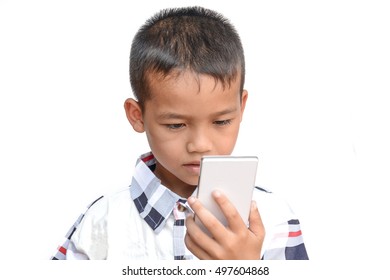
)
(233, 242)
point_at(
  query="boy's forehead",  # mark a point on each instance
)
(186, 78)
(191, 96)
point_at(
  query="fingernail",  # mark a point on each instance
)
(191, 199)
(254, 205)
(217, 193)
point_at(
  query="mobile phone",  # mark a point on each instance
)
(234, 176)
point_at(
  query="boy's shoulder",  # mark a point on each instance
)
(273, 207)
(100, 206)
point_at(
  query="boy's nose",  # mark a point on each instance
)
(199, 142)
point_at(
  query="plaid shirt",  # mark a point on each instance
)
(146, 221)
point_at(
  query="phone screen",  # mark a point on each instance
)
(234, 176)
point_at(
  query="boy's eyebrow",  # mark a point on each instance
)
(172, 115)
(169, 115)
(226, 111)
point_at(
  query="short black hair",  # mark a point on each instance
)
(190, 38)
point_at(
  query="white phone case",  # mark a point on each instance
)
(234, 176)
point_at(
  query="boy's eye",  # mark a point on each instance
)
(175, 125)
(222, 122)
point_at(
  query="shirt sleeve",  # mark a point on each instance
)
(286, 243)
(283, 239)
(87, 232)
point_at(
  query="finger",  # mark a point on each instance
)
(197, 241)
(198, 235)
(210, 222)
(195, 249)
(230, 212)
(255, 223)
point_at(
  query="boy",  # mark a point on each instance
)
(187, 72)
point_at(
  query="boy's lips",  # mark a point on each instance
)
(193, 167)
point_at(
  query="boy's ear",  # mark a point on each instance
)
(244, 98)
(134, 114)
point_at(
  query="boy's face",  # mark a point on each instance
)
(188, 117)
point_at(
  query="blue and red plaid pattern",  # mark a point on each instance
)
(155, 203)
(62, 250)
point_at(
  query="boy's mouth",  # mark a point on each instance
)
(193, 167)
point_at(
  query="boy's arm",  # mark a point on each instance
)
(88, 231)
(233, 242)
(68, 251)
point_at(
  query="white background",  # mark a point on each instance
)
(318, 75)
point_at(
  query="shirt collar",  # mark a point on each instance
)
(154, 201)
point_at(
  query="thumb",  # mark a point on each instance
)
(255, 223)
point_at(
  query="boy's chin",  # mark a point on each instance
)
(193, 182)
